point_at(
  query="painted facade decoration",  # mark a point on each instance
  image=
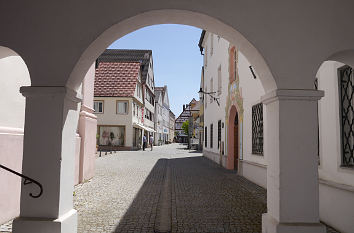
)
(234, 97)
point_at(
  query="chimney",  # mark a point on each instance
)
(184, 108)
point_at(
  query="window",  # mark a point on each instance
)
(98, 106)
(219, 80)
(235, 64)
(211, 90)
(257, 129)
(149, 115)
(134, 105)
(346, 91)
(206, 136)
(111, 135)
(211, 44)
(122, 107)
(211, 135)
(138, 90)
(219, 133)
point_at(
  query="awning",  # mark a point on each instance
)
(140, 126)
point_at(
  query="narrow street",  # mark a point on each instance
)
(169, 189)
(126, 194)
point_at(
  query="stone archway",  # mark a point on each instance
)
(79, 37)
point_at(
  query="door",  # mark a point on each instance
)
(236, 150)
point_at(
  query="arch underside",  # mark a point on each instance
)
(285, 48)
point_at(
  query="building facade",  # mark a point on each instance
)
(185, 115)
(172, 127)
(234, 135)
(124, 103)
(14, 76)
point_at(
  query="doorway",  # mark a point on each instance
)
(236, 150)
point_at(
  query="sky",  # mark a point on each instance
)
(176, 56)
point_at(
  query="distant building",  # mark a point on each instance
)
(184, 116)
(172, 127)
(124, 101)
(163, 109)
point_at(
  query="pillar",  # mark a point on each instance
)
(292, 171)
(48, 157)
(87, 131)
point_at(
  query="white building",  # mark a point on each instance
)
(124, 111)
(233, 136)
(163, 121)
(158, 118)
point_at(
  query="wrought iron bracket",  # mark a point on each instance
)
(26, 181)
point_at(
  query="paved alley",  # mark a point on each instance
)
(169, 189)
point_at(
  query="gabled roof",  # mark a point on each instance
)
(116, 79)
(128, 55)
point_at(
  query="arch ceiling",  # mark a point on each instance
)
(286, 40)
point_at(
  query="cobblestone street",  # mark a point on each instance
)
(124, 196)
(169, 189)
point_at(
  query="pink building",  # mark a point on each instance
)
(14, 74)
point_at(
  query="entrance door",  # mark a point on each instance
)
(236, 150)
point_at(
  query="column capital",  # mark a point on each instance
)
(292, 94)
(40, 91)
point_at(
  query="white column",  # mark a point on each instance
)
(292, 172)
(48, 157)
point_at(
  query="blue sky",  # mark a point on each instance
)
(177, 59)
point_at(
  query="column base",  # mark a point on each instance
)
(67, 223)
(271, 225)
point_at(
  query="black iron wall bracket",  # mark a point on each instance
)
(26, 180)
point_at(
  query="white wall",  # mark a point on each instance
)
(213, 58)
(252, 166)
(252, 91)
(110, 117)
(14, 74)
(336, 182)
(329, 121)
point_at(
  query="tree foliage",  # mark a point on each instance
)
(185, 127)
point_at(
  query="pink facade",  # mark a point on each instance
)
(11, 153)
(11, 145)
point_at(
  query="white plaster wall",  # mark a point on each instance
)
(252, 91)
(330, 144)
(336, 183)
(88, 87)
(13, 75)
(254, 166)
(110, 117)
(165, 120)
(212, 112)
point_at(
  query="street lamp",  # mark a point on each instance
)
(201, 93)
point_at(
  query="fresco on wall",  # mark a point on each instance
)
(112, 135)
(234, 96)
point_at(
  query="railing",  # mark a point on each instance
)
(26, 181)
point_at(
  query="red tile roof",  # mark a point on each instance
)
(116, 79)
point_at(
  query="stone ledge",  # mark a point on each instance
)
(337, 185)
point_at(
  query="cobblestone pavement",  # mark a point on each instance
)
(129, 194)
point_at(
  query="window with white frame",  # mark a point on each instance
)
(98, 106)
(122, 107)
(205, 101)
(219, 80)
(211, 90)
(211, 44)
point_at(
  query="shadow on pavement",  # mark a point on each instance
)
(204, 198)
